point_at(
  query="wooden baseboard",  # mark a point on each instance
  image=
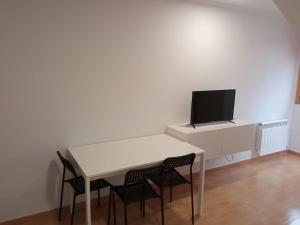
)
(293, 152)
(48, 215)
(51, 214)
(247, 161)
(236, 164)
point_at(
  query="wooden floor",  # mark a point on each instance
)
(263, 191)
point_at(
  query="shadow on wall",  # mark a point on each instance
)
(54, 182)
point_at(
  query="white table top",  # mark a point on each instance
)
(107, 158)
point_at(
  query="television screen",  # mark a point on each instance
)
(212, 106)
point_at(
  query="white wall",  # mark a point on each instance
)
(290, 9)
(295, 125)
(77, 72)
(295, 130)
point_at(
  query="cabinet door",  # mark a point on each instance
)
(238, 139)
(209, 141)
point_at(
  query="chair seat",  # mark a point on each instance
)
(78, 184)
(135, 192)
(170, 178)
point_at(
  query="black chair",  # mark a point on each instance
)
(171, 177)
(78, 185)
(136, 188)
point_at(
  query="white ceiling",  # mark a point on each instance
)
(263, 5)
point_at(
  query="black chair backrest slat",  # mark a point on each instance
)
(140, 175)
(174, 162)
(67, 164)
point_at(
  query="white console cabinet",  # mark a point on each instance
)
(218, 139)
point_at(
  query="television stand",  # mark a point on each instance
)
(191, 125)
(194, 125)
(217, 139)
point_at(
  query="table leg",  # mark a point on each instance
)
(201, 186)
(88, 201)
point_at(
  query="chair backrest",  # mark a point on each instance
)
(174, 162)
(67, 164)
(140, 175)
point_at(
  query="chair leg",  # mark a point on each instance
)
(98, 197)
(114, 208)
(61, 200)
(162, 207)
(144, 208)
(171, 193)
(109, 206)
(61, 194)
(141, 206)
(192, 199)
(73, 209)
(125, 213)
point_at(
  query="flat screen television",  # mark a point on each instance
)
(212, 106)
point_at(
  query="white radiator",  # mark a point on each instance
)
(272, 137)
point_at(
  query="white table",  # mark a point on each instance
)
(112, 158)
